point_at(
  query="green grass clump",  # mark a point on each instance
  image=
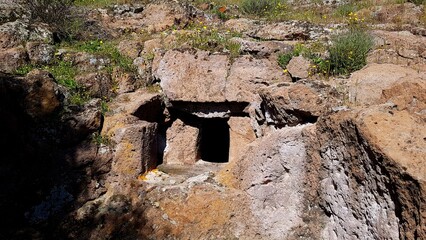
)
(260, 7)
(210, 39)
(24, 70)
(418, 2)
(100, 3)
(64, 73)
(99, 139)
(299, 49)
(106, 49)
(348, 52)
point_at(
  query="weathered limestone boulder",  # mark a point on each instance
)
(40, 32)
(160, 16)
(240, 24)
(182, 144)
(193, 77)
(373, 171)
(130, 48)
(86, 62)
(299, 67)
(126, 9)
(272, 172)
(406, 13)
(84, 121)
(408, 95)
(98, 84)
(367, 84)
(282, 31)
(13, 58)
(40, 53)
(400, 48)
(263, 48)
(134, 150)
(133, 136)
(247, 74)
(10, 11)
(126, 82)
(13, 34)
(43, 96)
(293, 104)
(146, 106)
(202, 77)
(241, 134)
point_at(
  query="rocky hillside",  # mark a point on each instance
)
(239, 119)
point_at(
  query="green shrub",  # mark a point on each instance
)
(348, 52)
(24, 70)
(107, 49)
(56, 13)
(209, 39)
(299, 49)
(64, 73)
(418, 2)
(259, 7)
(99, 139)
(284, 59)
(345, 9)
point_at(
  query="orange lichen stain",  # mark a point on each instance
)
(144, 176)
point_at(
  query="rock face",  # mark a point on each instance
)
(299, 67)
(11, 59)
(275, 187)
(400, 48)
(43, 96)
(182, 144)
(248, 74)
(368, 83)
(370, 168)
(201, 77)
(184, 78)
(209, 145)
(40, 53)
(293, 104)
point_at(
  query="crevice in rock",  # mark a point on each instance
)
(211, 109)
(151, 111)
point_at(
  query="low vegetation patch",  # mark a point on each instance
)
(210, 39)
(346, 53)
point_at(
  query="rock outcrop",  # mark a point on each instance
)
(219, 143)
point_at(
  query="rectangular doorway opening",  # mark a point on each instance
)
(214, 140)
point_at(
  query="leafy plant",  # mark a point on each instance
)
(258, 7)
(418, 2)
(99, 139)
(344, 9)
(24, 70)
(299, 49)
(210, 39)
(64, 73)
(284, 59)
(106, 49)
(104, 107)
(348, 52)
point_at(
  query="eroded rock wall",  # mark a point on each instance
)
(368, 191)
